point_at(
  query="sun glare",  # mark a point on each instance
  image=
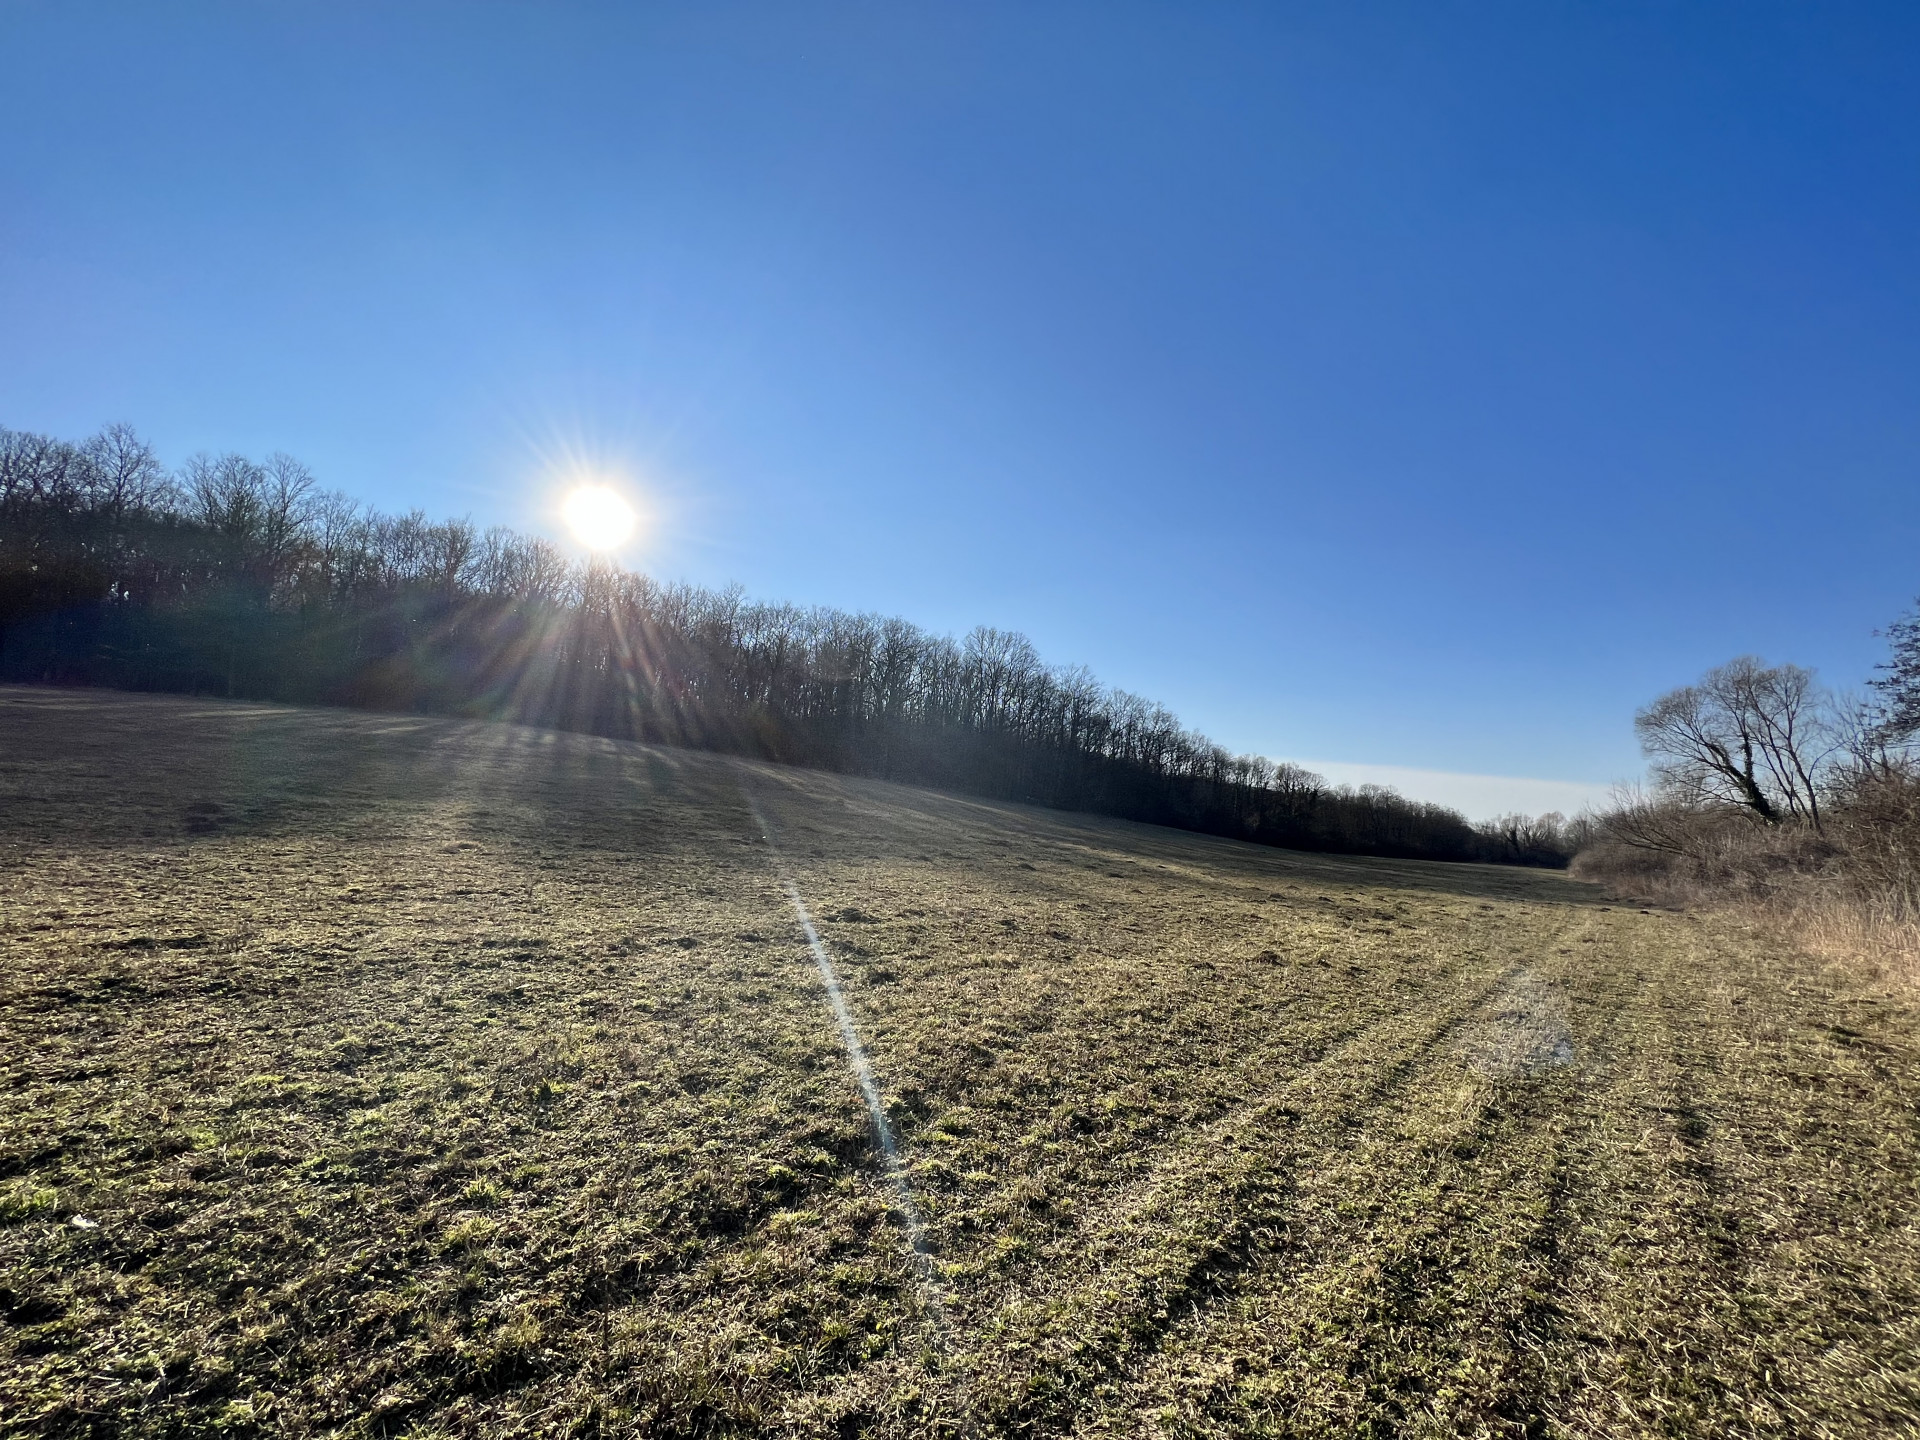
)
(598, 517)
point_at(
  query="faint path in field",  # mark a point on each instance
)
(1264, 1196)
(1488, 1132)
(1215, 1206)
(896, 1172)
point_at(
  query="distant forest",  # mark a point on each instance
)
(240, 578)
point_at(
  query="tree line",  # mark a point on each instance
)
(244, 578)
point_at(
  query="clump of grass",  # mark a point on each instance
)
(24, 1200)
(472, 1233)
(484, 1193)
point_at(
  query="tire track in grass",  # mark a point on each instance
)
(1437, 1249)
(1731, 1230)
(1332, 1054)
(1120, 1207)
(1211, 1220)
(1222, 1221)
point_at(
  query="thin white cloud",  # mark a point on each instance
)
(1476, 796)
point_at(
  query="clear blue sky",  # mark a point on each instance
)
(1421, 385)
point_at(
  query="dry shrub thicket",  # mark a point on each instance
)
(1774, 796)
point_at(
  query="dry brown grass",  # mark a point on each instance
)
(1878, 947)
(1868, 933)
(376, 1075)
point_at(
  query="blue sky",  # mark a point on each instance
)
(1420, 386)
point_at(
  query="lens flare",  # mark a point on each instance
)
(599, 517)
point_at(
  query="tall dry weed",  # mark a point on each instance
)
(1877, 942)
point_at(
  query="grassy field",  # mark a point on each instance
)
(378, 1075)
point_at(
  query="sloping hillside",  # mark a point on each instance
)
(400, 1076)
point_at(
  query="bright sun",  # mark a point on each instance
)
(598, 517)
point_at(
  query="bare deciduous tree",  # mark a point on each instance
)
(123, 472)
(1899, 682)
(1749, 735)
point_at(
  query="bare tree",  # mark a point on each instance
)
(1749, 735)
(37, 472)
(287, 506)
(123, 473)
(1899, 684)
